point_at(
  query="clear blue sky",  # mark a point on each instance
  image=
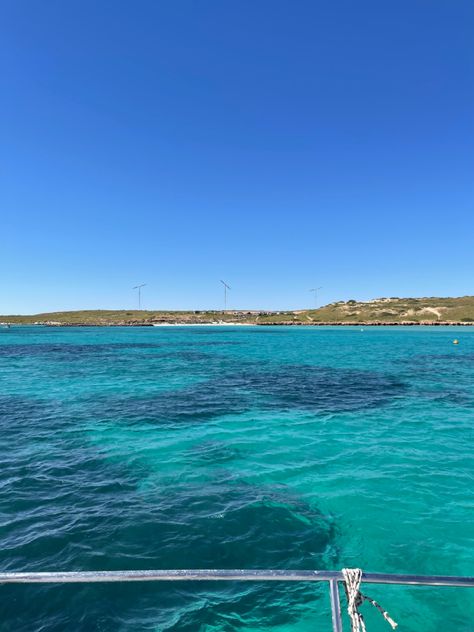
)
(277, 145)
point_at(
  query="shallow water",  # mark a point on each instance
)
(250, 447)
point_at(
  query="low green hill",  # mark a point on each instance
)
(398, 310)
(378, 312)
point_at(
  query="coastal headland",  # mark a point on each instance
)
(380, 311)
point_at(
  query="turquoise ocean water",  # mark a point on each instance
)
(303, 448)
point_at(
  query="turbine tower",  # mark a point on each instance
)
(139, 288)
(226, 287)
(315, 290)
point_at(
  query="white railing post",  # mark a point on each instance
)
(335, 606)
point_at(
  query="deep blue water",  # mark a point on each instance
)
(245, 447)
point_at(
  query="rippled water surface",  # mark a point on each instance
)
(296, 448)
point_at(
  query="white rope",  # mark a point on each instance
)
(352, 581)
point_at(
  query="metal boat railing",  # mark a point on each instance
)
(332, 577)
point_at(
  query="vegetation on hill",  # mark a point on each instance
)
(378, 311)
(398, 310)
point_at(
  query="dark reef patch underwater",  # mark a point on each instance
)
(317, 389)
(221, 526)
(231, 448)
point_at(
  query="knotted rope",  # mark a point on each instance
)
(352, 581)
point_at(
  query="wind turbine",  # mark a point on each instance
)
(226, 287)
(139, 288)
(315, 290)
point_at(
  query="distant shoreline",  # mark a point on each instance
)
(380, 312)
(6, 325)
